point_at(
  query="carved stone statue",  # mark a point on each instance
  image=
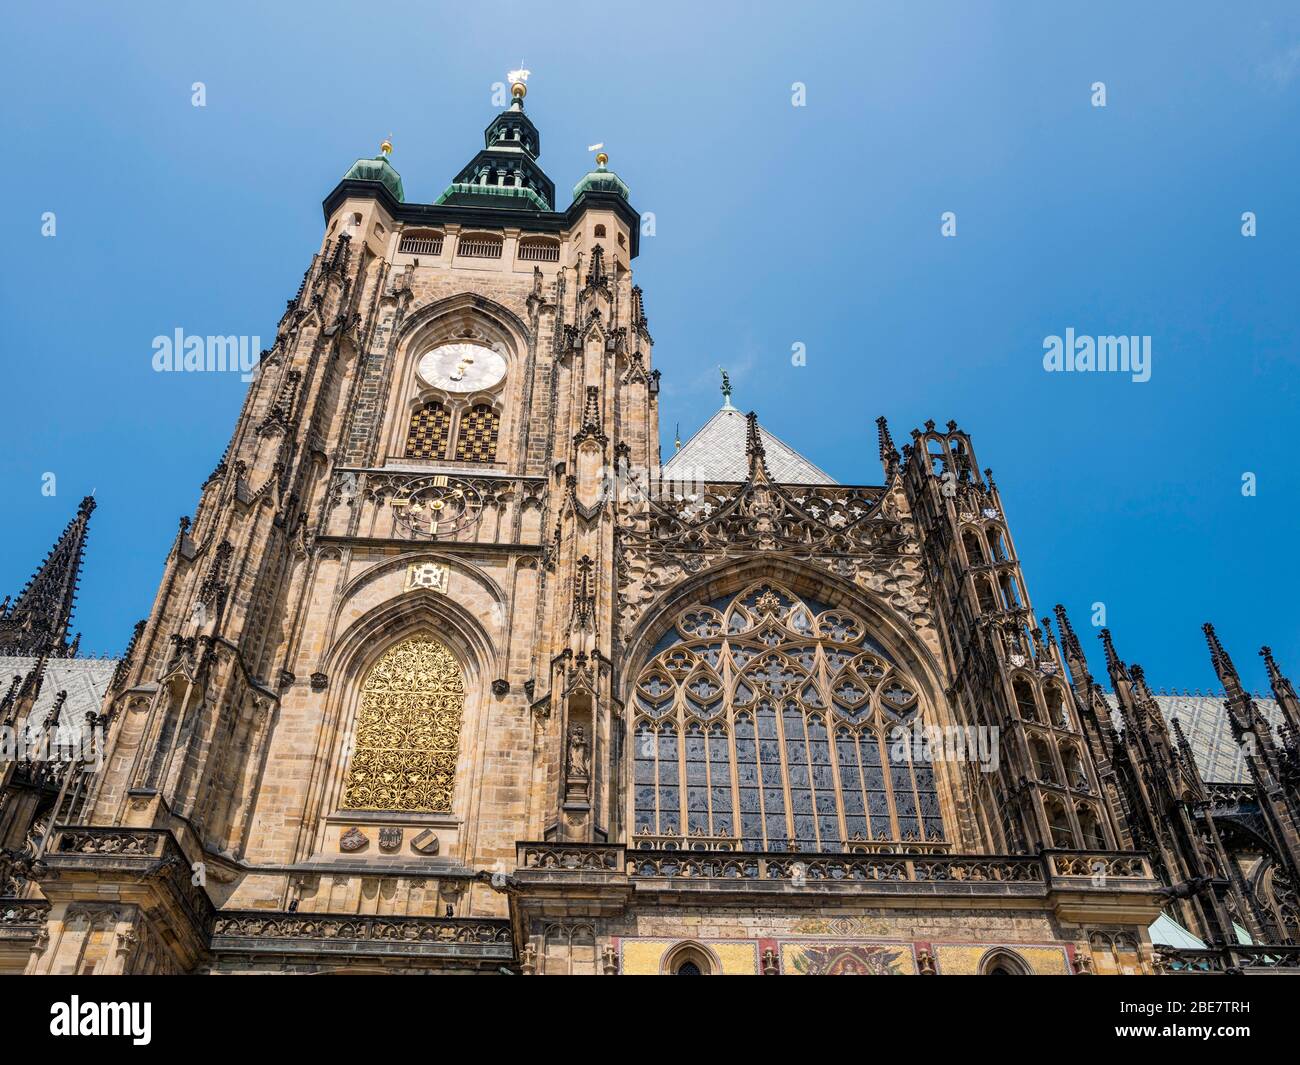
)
(579, 753)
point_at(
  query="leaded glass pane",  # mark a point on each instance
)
(775, 671)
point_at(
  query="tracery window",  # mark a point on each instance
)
(477, 439)
(408, 731)
(764, 722)
(427, 436)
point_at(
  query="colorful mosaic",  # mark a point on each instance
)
(847, 959)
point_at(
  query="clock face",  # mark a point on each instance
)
(462, 367)
(436, 506)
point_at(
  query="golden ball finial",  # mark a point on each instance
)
(601, 158)
(519, 90)
(386, 146)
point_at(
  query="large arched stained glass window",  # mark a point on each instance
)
(764, 721)
(408, 731)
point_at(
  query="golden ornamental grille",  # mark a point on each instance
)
(427, 436)
(477, 440)
(408, 731)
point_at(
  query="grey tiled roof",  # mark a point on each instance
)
(717, 453)
(1205, 724)
(84, 679)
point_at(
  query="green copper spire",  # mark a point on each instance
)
(602, 179)
(505, 174)
(378, 169)
(726, 390)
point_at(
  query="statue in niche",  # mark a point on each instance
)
(579, 753)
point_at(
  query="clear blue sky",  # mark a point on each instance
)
(776, 225)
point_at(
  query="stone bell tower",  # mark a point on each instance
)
(380, 652)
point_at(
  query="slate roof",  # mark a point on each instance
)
(1205, 724)
(717, 453)
(84, 679)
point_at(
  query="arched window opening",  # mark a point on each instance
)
(477, 439)
(1090, 825)
(999, 544)
(1057, 713)
(938, 456)
(407, 731)
(1058, 825)
(1003, 963)
(1075, 775)
(764, 723)
(426, 438)
(600, 231)
(984, 591)
(1044, 767)
(1026, 704)
(480, 245)
(689, 959)
(1010, 591)
(974, 551)
(535, 249)
(420, 242)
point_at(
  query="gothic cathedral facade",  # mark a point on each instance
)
(448, 673)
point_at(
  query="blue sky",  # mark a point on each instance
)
(775, 225)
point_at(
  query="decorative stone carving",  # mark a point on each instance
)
(353, 840)
(579, 753)
(426, 843)
(390, 838)
(426, 575)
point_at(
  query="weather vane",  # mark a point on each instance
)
(520, 75)
(601, 157)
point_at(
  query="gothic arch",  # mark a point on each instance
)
(407, 730)
(764, 718)
(348, 663)
(895, 633)
(691, 953)
(1001, 961)
(423, 553)
(463, 317)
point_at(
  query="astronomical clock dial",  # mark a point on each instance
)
(462, 367)
(436, 506)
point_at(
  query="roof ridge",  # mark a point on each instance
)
(722, 453)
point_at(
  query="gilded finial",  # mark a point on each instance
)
(386, 145)
(601, 157)
(518, 82)
(677, 439)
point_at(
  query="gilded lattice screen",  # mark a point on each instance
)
(427, 436)
(477, 441)
(408, 731)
